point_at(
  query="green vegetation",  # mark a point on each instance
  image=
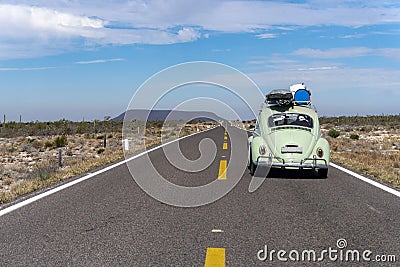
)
(48, 175)
(389, 121)
(48, 144)
(374, 148)
(60, 141)
(61, 127)
(43, 172)
(354, 136)
(333, 133)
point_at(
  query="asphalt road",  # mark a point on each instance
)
(109, 220)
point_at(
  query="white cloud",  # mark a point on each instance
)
(15, 49)
(28, 69)
(99, 61)
(279, 71)
(48, 31)
(96, 61)
(279, 63)
(275, 59)
(24, 22)
(267, 36)
(221, 50)
(393, 53)
(326, 79)
(188, 34)
(333, 52)
(79, 23)
(144, 36)
(317, 68)
(340, 90)
(225, 15)
(353, 36)
(349, 52)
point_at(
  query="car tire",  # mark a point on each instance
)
(249, 162)
(323, 173)
(252, 166)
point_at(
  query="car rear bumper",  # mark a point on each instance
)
(307, 163)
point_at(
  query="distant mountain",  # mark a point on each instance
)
(161, 115)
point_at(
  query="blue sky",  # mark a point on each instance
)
(75, 59)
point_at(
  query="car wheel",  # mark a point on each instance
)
(252, 166)
(323, 173)
(249, 161)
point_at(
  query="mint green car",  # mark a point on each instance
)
(288, 136)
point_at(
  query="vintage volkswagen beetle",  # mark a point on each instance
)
(287, 134)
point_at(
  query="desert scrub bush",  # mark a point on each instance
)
(30, 140)
(28, 148)
(82, 128)
(60, 141)
(44, 172)
(100, 150)
(354, 136)
(43, 178)
(99, 137)
(7, 181)
(333, 133)
(48, 144)
(37, 144)
(374, 163)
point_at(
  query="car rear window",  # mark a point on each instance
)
(295, 119)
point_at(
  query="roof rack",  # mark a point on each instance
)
(298, 95)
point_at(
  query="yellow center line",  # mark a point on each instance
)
(222, 169)
(225, 137)
(225, 146)
(215, 257)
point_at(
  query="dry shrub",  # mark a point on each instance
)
(369, 157)
(79, 167)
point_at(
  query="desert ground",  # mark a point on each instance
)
(368, 145)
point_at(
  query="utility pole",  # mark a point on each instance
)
(106, 119)
(59, 157)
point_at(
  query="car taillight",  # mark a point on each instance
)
(262, 150)
(320, 152)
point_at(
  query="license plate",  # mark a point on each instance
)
(292, 149)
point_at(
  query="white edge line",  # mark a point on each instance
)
(74, 182)
(367, 180)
